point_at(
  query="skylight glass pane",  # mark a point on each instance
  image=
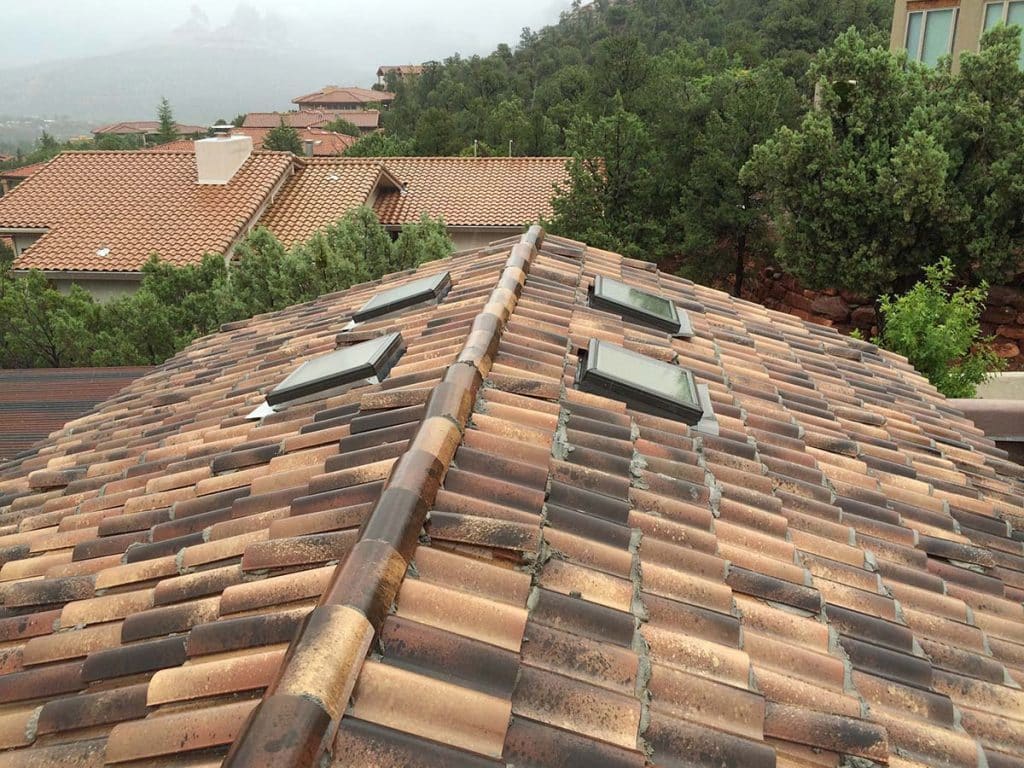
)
(406, 295)
(624, 299)
(938, 36)
(993, 15)
(373, 358)
(643, 383)
(914, 21)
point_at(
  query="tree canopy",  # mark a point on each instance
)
(168, 130)
(173, 306)
(283, 138)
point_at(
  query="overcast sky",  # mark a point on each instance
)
(400, 30)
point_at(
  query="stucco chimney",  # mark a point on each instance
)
(218, 159)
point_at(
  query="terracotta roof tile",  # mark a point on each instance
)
(366, 119)
(23, 172)
(146, 126)
(135, 204)
(325, 143)
(333, 94)
(472, 562)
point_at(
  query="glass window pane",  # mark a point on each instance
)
(938, 30)
(1016, 14)
(913, 35)
(993, 15)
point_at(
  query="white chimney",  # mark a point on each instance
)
(218, 159)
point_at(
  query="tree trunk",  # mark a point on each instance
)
(741, 262)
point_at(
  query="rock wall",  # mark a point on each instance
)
(1003, 316)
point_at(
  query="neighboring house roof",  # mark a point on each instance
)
(402, 70)
(23, 172)
(473, 191)
(321, 192)
(5, 158)
(333, 94)
(472, 563)
(365, 119)
(146, 126)
(36, 402)
(134, 204)
(180, 145)
(325, 143)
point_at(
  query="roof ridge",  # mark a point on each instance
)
(304, 704)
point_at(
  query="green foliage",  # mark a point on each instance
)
(381, 144)
(341, 125)
(168, 130)
(238, 121)
(900, 163)
(936, 328)
(115, 142)
(283, 138)
(175, 305)
(420, 242)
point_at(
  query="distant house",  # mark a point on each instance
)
(6, 158)
(480, 198)
(336, 97)
(366, 120)
(11, 178)
(95, 218)
(315, 141)
(399, 71)
(928, 30)
(148, 130)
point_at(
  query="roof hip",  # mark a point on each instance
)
(314, 687)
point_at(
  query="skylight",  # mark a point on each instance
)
(432, 288)
(368, 360)
(649, 308)
(647, 385)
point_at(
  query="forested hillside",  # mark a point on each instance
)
(673, 94)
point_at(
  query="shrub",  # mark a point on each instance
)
(936, 328)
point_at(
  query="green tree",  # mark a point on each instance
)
(936, 328)
(610, 198)
(43, 327)
(900, 164)
(283, 138)
(723, 224)
(238, 121)
(381, 144)
(420, 242)
(168, 130)
(341, 125)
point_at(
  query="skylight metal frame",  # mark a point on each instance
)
(602, 295)
(594, 375)
(431, 288)
(371, 360)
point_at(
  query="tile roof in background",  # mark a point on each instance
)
(402, 70)
(23, 172)
(473, 191)
(181, 145)
(36, 402)
(313, 118)
(838, 573)
(146, 126)
(135, 204)
(325, 143)
(321, 192)
(333, 94)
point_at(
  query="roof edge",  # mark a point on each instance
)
(302, 708)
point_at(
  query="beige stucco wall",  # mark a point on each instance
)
(23, 241)
(101, 290)
(467, 238)
(968, 24)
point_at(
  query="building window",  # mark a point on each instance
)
(1004, 13)
(930, 34)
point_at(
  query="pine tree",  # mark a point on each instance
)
(168, 130)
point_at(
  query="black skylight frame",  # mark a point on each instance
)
(613, 371)
(431, 288)
(628, 301)
(366, 360)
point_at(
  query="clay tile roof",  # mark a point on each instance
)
(401, 70)
(325, 143)
(145, 126)
(182, 145)
(321, 192)
(473, 191)
(23, 172)
(473, 563)
(333, 94)
(36, 402)
(312, 118)
(134, 204)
